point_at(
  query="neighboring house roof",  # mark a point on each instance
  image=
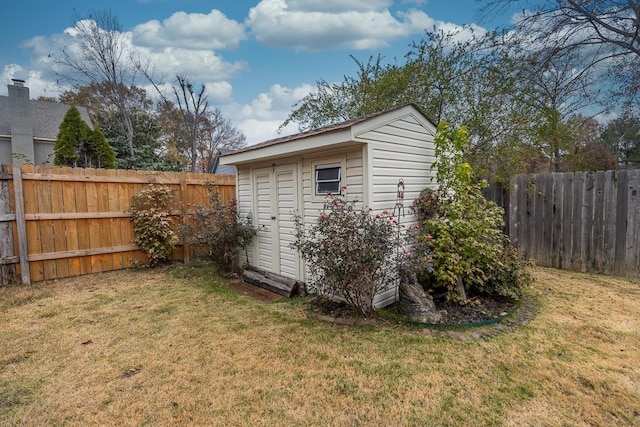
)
(334, 134)
(46, 117)
(222, 169)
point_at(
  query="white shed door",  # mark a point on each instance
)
(265, 249)
(276, 203)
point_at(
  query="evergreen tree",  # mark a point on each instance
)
(71, 136)
(99, 153)
(80, 146)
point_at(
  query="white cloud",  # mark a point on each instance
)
(34, 80)
(354, 24)
(262, 130)
(261, 118)
(461, 33)
(191, 30)
(333, 6)
(199, 65)
(605, 118)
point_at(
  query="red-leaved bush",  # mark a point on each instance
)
(349, 252)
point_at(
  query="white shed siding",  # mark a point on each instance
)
(352, 176)
(401, 149)
(245, 199)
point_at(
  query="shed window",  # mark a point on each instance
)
(328, 179)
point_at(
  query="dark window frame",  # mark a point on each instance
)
(331, 184)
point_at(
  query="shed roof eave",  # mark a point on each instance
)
(342, 138)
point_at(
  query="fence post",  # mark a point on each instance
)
(7, 251)
(186, 250)
(21, 226)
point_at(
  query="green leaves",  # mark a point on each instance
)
(349, 252)
(152, 223)
(79, 145)
(219, 229)
(463, 229)
(71, 136)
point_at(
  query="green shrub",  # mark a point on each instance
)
(152, 223)
(78, 145)
(219, 229)
(350, 252)
(72, 134)
(464, 230)
(98, 153)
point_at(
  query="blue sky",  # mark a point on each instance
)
(255, 57)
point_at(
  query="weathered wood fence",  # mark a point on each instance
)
(582, 221)
(58, 221)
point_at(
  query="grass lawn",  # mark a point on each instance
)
(178, 347)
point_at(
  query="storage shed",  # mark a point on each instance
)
(384, 159)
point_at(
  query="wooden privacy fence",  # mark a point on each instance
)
(582, 221)
(59, 221)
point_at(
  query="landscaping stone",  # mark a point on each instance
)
(415, 305)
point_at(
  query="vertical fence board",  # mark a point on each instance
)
(102, 193)
(546, 222)
(514, 230)
(71, 226)
(526, 214)
(95, 232)
(115, 223)
(587, 222)
(621, 222)
(557, 243)
(538, 214)
(633, 222)
(32, 227)
(567, 221)
(598, 223)
(83, 224)
(21, 226)
(609, 222)
(576, 226)
(43, 191)
(124, 197)
(58, 229)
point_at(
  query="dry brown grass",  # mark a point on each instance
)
(180, 348)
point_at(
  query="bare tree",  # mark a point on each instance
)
(606, 29)
(222, 135)
(192, 106)
(556, 88)
(101, 57)
(610, 23)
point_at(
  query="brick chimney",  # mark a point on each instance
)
(21, 123)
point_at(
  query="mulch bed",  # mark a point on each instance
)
(479, 310)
